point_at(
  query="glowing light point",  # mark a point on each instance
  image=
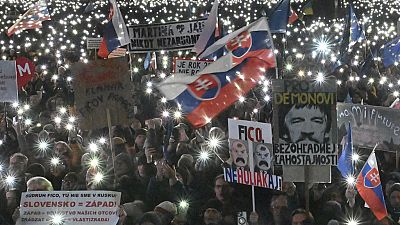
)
(57, 120)
(10, 180)
(63, 110)
(183, 204)
(55, 161)
(177, 115)
(165, 113)
(93, 147)
(102, 140)
(98, 178)
(204, 156)
(355, 157)
(350, 180)
(57, 219)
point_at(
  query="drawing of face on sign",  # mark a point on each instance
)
(262, 156)
(239, 153)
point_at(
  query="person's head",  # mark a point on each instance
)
(18, 163)
(307, 123)
(62, 150)
(239, 153)
(302, 217)
(150, 218)
(12, 197)
(278, 203)
(212, 213)
(223, 191)
(39, 184)
(394, 195)
(123, 165)
(262, 157)
(166, 211)
(70, 182)
(140, 137)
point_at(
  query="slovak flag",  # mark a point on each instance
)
(220, 84)
(115, 33)
(370, 187)
(210, 32)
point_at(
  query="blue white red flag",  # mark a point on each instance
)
(32, 18)
(370, 187)
(210, 32)
(115, 33)
(223, 82)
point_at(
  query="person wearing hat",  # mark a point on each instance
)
(166, 211)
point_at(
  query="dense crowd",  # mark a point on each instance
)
(167, 172)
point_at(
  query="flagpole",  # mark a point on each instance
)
(273, 49)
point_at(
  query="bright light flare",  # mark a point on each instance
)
(183, 204)
(177, 115)
(350, 180)
(69, 126)
(10, 180)
(94, 162)
(204, 156)
(355, 157)
(93, 147)
(98, 178)
(63, 110)
(57, 120)
(102, 140)
(165, 113)
(57, 219)
(55, 161)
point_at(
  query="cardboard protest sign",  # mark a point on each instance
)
(304, 122)
(72, 207)
(101, 85)
(190, 67)
(25, 71)
(251, 159)
(8, 82)
(165, 36)
(370, 125)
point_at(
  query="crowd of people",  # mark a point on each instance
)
(167, 172)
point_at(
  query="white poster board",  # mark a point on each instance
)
(70, 207)
(8, 82)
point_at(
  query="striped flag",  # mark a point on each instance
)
(32, 18)
(115, 33)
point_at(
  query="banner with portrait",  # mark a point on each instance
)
(251, 158)
(370, 125)
(304, 118)
(178, 35)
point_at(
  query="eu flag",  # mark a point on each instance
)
(345, 161)
(356, 31)
(391, 52)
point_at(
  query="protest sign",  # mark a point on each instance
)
(189, 67)
(178, 35)
(25, 71)
(304, 122)
(251, 159)
(102, 85)
(8, 82)
(370, 125)
(70, 207)
(93, 43)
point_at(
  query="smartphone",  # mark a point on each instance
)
(242, 218)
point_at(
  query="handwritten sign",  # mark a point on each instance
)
(102, 85)
(70, 207)
(190, 67)
(8, 82)
(166, 36)
(370, 125)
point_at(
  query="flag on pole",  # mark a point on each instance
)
(219, 85)
(308, 9)
(210, 32)
(115, 33)
(293, 16)
(391, 52)
(395, 104)
(370, 188)
(89, 7)
(345, 165)
(279, 17)
(31, 19)
(356, 31)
